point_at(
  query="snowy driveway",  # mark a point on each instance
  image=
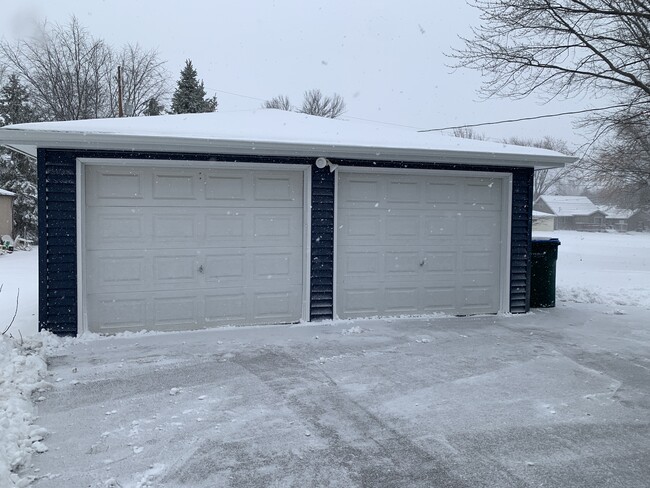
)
(556, 398)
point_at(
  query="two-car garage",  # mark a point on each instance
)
(269, 216)
(169, 247)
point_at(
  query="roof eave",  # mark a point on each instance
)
(26, 142)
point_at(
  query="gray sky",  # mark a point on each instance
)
(385, 58)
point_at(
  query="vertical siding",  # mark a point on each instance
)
(322, 244)
(57, 242)
(520, 245)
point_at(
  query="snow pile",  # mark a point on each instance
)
(22, 369)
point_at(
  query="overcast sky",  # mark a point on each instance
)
(386, 58)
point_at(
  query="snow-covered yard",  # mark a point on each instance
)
(557, 397)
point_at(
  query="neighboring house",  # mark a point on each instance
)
(543, 221)
(6, 213)
(624, 220)
(572, 213)
(268, 217)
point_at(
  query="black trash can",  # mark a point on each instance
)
(542, 272)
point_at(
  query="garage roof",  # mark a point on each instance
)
(273, 133)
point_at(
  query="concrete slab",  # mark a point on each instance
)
(559, 397)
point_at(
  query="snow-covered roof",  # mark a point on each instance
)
(272, 133)
(541, 215)
(563, 206)
(7, 193)
(612, 212)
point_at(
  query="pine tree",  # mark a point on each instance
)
(18, 172)
(189, 96)
(153, 108)
(14, 103)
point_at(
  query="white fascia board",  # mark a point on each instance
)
(26, 141)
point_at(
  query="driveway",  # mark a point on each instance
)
(555, 398)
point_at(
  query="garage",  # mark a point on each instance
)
(171, 247)
(420, 243)
(273, 217)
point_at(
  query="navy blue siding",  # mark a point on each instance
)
(57, 228)
(520, 245)
(322, 244)
(57, 237)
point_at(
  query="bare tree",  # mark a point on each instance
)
(144, 78)
(561, 47)
(620, 167)
(545, 179)
(72, 75)
(315, 103)
(468, 133)
(65, 69)
(281, 102)
(567, 48)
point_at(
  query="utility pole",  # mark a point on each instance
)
(120, 111)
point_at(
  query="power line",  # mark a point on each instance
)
(235, 94)
(523, 119)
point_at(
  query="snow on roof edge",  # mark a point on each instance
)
(272, 131)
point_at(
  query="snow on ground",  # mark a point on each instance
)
(19, 274)
(22, 373)
(217, 408)
(607, 268)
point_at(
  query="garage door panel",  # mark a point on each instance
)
(440, 241)
(483, 193)
(360, 192)
(276, 306)
(175, 311)
(225, 227)
(478, 261)
(401, 300)
(105, 186)
(112, 228)
(225, 266)
(476, 299)
(437, 226)
(199, 248)
(227, 307)
(439, 299)
(402, 264)
(175, 185)
(281, 188)
(118, 312)
(404, 225)
(174, 270)
(403, 192)
(359, 302)
(440, 262)
(226, 188)
(172, 229)
(442, 193)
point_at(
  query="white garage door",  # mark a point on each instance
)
(416, 244)
(185, 248)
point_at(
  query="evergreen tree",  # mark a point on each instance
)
(14, 103)
(153, 108)
(18, 172)
(189, 96)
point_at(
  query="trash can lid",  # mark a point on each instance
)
(547, 240)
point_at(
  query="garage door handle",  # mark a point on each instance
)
(201, 269)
